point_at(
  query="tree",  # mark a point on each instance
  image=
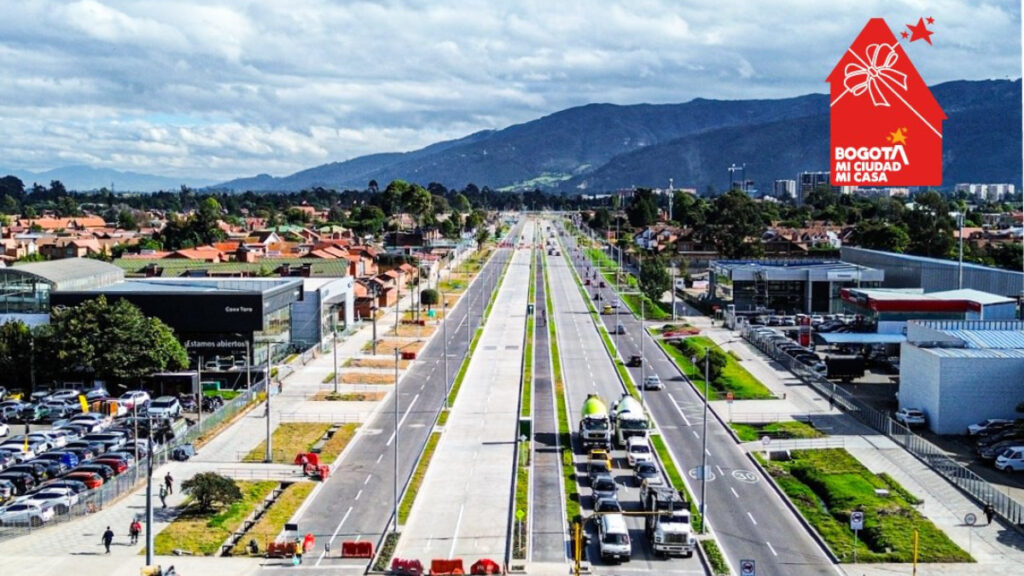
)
(112, 341)
(482, 235)
(734, 219)
(430, 298)
(642, 210)
(209, 488)
(15, 353)
(878, 235)
(654, 279)
(461, 204)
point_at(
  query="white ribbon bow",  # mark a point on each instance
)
(867, 76)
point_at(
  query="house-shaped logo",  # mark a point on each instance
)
(886, 125)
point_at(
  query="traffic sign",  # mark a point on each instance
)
(747, 568)
(970, 519)
(856, 521)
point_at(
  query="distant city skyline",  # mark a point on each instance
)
(198, 91)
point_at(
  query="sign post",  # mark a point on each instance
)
(748, 568)
(728, 400)
(856, 524)
(970, 520)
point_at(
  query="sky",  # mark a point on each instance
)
(222, 89)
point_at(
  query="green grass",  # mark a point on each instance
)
(827, 485)
(522, 498)
(273, 520)
(417, 478)
(386, 551)
(202, 533)
(224, 394)
(675, 477)
(776, 430)
(734, 378)
(328, 379)
(334, 447)
(289, 439)
(719, 567)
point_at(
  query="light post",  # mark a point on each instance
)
(704, 450)
(444, 338)
(335, 346)
(673, 291)
(643, 362)
(395, 475)
(149, 492)
(268, 456)
(373, 315)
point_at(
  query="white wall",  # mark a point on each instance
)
(919, 381)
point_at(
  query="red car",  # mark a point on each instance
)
(118, 465)
(90, 479)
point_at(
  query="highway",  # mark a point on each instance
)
(357, 500)
(587, 369)
(749, 519)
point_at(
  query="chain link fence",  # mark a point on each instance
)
(933, 456)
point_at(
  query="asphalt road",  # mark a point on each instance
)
(357, 500)
(587, 368)
(749, 519)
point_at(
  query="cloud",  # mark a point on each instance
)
(191, 89)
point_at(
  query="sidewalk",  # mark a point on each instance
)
(33, 553)
(997, 548)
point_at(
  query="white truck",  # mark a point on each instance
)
(630, 420)
(670, 530)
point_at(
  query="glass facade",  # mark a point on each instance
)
(23, 293)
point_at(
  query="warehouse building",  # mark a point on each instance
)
(790, 286)
(962, 371)
(890, 309)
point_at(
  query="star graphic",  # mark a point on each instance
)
(898, 137)
(930, 20)
(904, 34)
(920, 32)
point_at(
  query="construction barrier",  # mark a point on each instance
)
(281, 549)
(442, 567)
(311, 458)
(485, 566)
(408, 355)
(406, 567)
(308, 542)
(352, 549)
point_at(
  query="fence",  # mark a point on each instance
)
(936, 459)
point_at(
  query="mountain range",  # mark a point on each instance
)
(603, 147)
(83, 178)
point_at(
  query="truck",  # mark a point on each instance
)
(667, 522)
(630, 420)
(595, 423)
(845, 368)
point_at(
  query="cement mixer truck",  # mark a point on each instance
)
(630, 420)
(595, 425)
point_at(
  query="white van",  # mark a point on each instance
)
(637, 450)
(1012, 459)
(614, 537)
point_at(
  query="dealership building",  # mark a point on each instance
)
(790, 286)
(220, 321)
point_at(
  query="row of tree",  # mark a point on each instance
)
(96, 340)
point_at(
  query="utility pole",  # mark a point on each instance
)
(673, 291)
(268, 457)
(960, 266)
(335, 346)
(444, 337)
(395, 475)
(671, 194)
(704, 451)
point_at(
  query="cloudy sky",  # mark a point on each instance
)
(221, 89)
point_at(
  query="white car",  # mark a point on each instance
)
(4, 429)
(638, 450)
(653, 382)
(975, 429)
(60, 500)
(92, 419)
(911, 417)
(24, 514)
(132, 398)
(165, 406)
(65, 394)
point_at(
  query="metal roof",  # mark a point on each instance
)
(975, 352)
(859, 338)
(72, 273)
(991, 339)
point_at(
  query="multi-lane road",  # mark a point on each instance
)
(748, 518)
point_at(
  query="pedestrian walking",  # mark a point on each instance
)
(163, 496)
(134, 530)
(298, 550)
(990, 512)
(169, 483)
(108, 539)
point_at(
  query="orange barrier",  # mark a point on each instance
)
(280, 549)
(406, 567)
(352, 549)
(442, 567)
(311, 458)
(308, 542)
(485, 566)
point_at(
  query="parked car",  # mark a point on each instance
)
(60, 500)
(106, 471)
(1011, 459)
(96, 448)
(90, 479)
(17, 452)
(987, 425)
(68, 459)
(165, 406)
(24, 514)
(23, 481)
(133, 398)
(37, 468)
(34, 412)
(74, 485)
(7, 490)
(992, 452)
(911, 417)
(64, 394)
(4, 429)
(96, 394)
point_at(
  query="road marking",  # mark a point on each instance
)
(334, 535)
(379, 458)
(695, 435)
(400, 422)
(455, 535)
(678, 409)
(734, 493)
(751, 516)
(367, 481)
(708, 452)
(358, 494)
(771, 548)
(719, 468)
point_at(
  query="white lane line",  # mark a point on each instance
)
(751, 516)
(678, 409)
(734, 493)
(335, 534)
(719, 468)
(455, 535)
(402, 420)
(379, 458)
(708, 452)
(771, 548)
(367, 481)
(358, 494)
(695, 435)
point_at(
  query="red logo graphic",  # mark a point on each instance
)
(886, 125)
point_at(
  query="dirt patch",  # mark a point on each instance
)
(388, 346)
(366, 378)
(412, 331)
(378, 363)
(329, 396)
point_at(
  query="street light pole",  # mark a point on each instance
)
(444, 337)
(643, 362)
(149, 495)
(268, 458)
(704, 451)
(395, 475)
(335, 346)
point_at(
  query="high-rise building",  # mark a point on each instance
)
(987, 192)
(808, 181)
(784, 189)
